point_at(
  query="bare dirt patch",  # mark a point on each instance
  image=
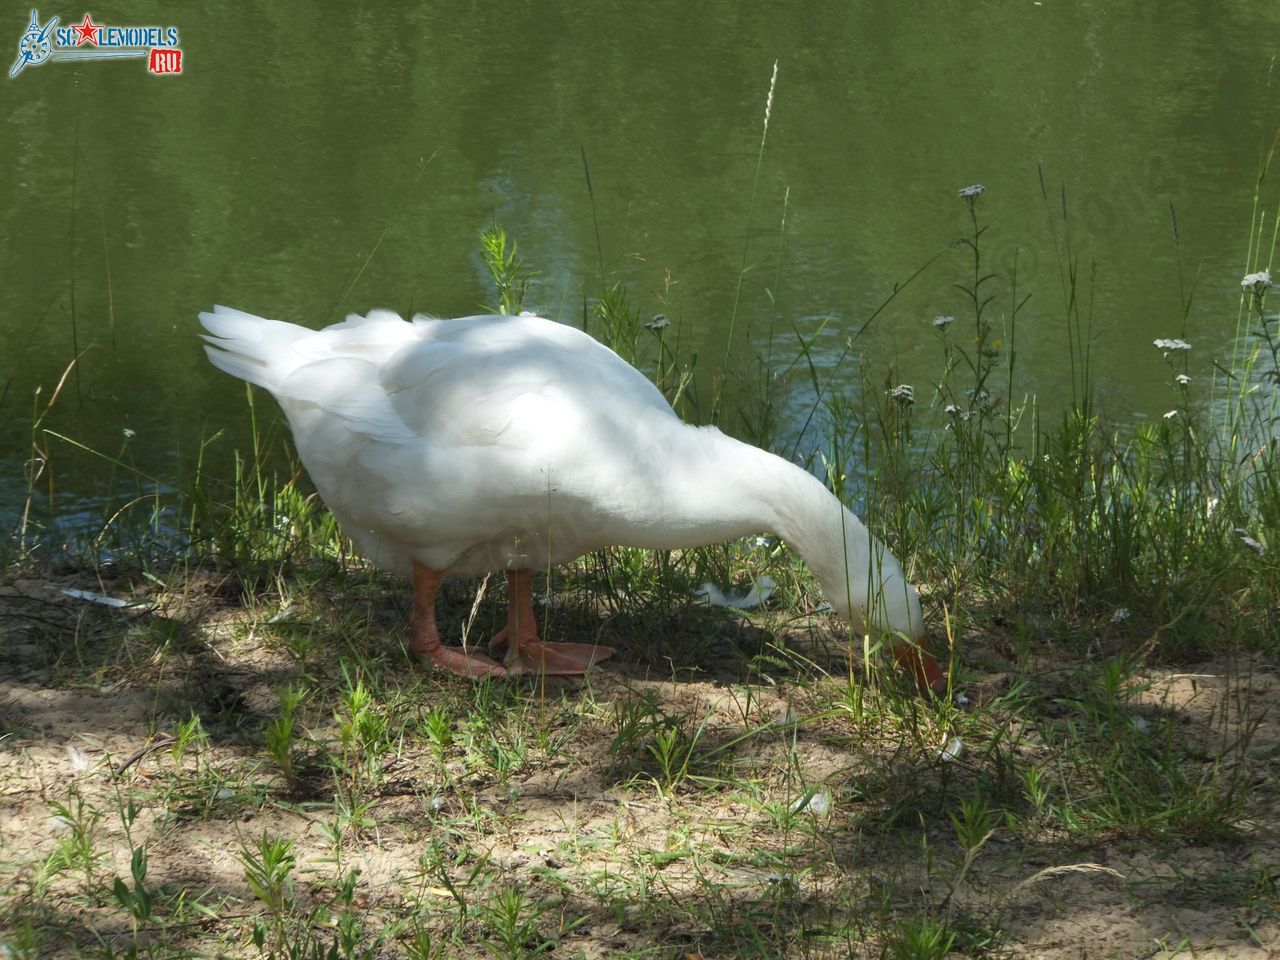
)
(735, 814)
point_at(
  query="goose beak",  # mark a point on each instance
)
(915, 658)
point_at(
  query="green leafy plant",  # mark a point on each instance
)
(138, 901)
(438, 727)
(512, 924)
(281, 733)
(268, 868)
(506, 267)
(77, 845)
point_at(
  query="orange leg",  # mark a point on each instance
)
(528, 654)
(424, 638)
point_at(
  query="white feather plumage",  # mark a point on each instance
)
(495, 442)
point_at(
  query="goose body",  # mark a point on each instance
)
(457, 447)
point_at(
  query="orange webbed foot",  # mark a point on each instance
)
(424, 638)
(554, 659)
(529, 654)
(463, 664)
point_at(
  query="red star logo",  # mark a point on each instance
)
(88, 30)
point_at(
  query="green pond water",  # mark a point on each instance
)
(312, 160)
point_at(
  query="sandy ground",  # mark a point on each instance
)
(562, 827)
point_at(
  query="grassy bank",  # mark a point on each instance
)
(242, 759)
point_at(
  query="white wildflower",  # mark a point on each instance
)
(943, 322)
(129, 434)
(1170, 414)
(904, 393)
(1182, 379)
(660, 321)
(1257, 283)
(972, 192)
(1171, 345)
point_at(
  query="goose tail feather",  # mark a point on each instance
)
(252, 348)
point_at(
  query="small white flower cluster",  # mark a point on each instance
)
(1171, 345)
(953, 410)
(660, 321)
(1171, 414)
(1257, 283)
(904, 393)
(972, 192)
(1182, 379)
(943, 322)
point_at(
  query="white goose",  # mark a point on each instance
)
(456, 447)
